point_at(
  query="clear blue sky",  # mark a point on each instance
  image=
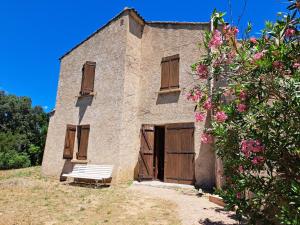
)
(35, 33)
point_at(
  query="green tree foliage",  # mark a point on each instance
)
(23, 130)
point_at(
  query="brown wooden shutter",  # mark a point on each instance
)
(165, 74)
(88, 78)
(146, 169)
(69, 142)
(179, 153)
(174, 72)
(170, 72)
(83, 139)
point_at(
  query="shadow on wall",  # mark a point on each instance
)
(205, 163)
(167, 98)
(83, 103)
(67, 168)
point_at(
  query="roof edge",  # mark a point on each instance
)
(126, 9)
(179, 23)
(130, 11)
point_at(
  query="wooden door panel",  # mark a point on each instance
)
(146, 154)
(179, 153)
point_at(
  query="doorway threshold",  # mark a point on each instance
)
(160, 184)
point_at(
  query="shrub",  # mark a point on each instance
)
(256, 110)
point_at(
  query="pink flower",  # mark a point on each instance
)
(221, 117)
(239, 195)
(206, 138)
(241, 107)
(241, 169)
(296, 65)
(202, 71)
(257, 160)
(199, 117)
(207, 104)
(243, 95)
(289, 32)
(248, 146)
(216, 40)
(278, 65)
(253, 40)
(258, 56)
(235, 30)
(194, 95)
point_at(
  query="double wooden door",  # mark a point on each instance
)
(179, 154)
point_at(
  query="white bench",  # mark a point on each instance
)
(92, 172)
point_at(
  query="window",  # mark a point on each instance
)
(88, 78)
(170, 72)
(83, 139)
(69, 142)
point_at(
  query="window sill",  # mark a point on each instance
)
(166, 91)
(88, 95)
(79, 161)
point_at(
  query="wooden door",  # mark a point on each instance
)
(179, 153)
(146, 154)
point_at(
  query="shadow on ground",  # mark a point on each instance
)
(209, 222)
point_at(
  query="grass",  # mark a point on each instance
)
(29, 198)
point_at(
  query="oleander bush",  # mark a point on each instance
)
(252, 91)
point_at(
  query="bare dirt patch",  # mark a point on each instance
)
(191, 209)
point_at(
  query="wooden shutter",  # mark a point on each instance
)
(88, 78)
(69, 142)
(83, 139)
(179, 153)
(170, 72)
(174, 72)
(146, 169)
(165, 74)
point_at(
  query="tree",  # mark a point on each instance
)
(23, 131)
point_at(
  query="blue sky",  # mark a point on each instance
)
(35, 33)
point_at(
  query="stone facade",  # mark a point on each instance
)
(128, 53)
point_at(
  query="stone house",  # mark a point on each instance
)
(121, 101)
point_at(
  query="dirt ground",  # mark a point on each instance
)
(26, 198)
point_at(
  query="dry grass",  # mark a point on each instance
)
(28, 198)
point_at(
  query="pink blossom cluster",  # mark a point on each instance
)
(221, 117)
(206, 138)
(257, 160)
(257, 56)
(194, 95)
(202, 71)
(253, 40)
(251, 146)
(207, 104)
(216, 40)
(199, 117)
(230, 32)
(241, 107)
(296, 65)
(243, 95)
(278, 65)
(289, 32)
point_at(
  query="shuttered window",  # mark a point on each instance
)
(88, 78)
(170, 72)
(83, 139)
(69, 142)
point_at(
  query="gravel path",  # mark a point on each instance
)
(191, 209)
